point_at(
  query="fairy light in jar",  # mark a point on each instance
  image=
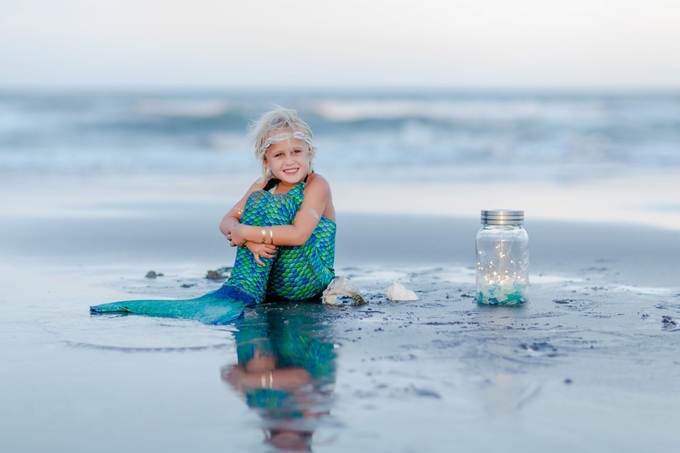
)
(502, 258)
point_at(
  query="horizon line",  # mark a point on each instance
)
(338, 89)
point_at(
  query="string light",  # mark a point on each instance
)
(502, 258)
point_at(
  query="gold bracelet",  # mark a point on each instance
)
(271, 379)
(271, 235)
(264, 236)
(262, 381)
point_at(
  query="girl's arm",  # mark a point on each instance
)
(317, 196)
(234, 215)
(288, 379)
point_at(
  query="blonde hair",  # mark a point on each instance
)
(278, 119)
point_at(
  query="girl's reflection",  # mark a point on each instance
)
(285, 371)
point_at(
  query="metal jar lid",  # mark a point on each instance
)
(502, 217)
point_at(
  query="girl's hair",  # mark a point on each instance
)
(277, 119)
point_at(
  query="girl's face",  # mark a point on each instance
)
(288, 160)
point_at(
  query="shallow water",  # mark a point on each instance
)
(585, 366)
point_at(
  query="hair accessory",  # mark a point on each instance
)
(285, 136)
(271, 235)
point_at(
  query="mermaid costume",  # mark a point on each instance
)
(297, 340)
(294, 273)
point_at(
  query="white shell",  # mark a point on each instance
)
(397, 291)
(342, 286)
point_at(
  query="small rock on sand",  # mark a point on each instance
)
(214, 275)
(151, 274)
(219, 274)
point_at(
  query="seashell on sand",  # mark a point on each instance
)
(342, 286)
(396, 291)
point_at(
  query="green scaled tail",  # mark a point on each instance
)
(295, 273)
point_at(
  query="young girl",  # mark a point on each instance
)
(284, 228)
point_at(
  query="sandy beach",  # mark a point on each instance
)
(590, 364)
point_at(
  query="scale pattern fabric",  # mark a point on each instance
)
(294, 344)
(295, 273)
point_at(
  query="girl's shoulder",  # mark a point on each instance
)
(317, 187)
(257, 185)
(316, 180)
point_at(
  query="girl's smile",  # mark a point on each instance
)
(288, 161)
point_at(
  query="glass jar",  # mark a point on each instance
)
(502, 258)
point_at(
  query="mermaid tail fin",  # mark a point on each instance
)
(218, 307)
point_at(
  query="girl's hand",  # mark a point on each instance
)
(261, 250)
(235, 236)
(260, 363)
(234, 376)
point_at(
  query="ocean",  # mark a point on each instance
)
(360, 136)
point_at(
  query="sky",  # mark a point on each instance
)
(318, 44)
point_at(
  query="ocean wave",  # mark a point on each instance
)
(361, 134)
(182, 108)
(456, 110)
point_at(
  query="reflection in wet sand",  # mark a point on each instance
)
(285, 372)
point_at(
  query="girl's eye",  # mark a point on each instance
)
(297, 151)
(278, 154)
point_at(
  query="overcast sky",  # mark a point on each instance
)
(208, 44)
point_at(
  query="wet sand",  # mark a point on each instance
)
(590, 364)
